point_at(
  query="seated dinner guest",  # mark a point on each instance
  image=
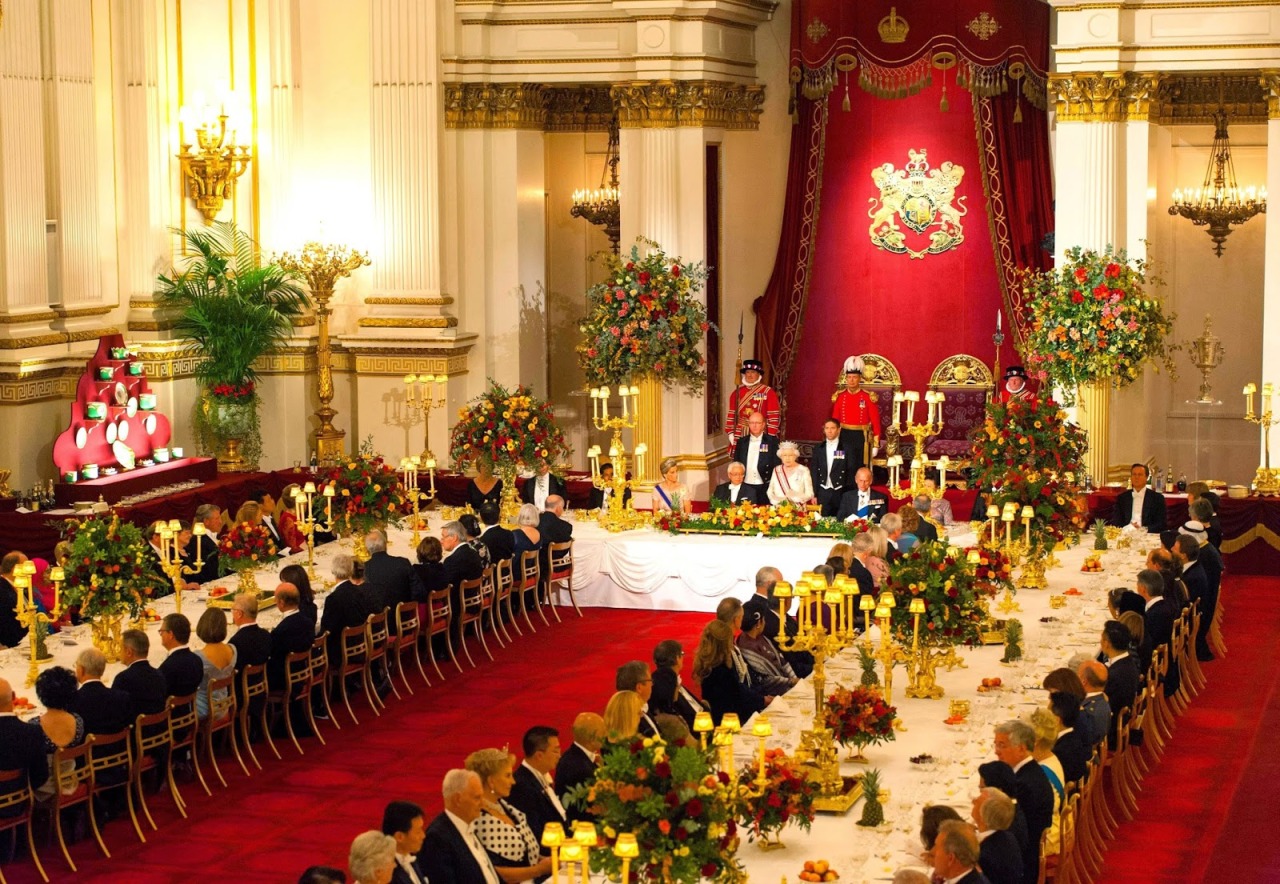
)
(940, 508)
(104, 710)
(139, 679)
(543, 484)
(671, 495)
(1138, 505)
(428, 574)
(514, 848)
(635, 676)
(578, 763)
(669, 696)
(770, 673)
(60, 727)
(21, 747)
(552, 524)
(251, 641)
(485, 487)
(404, 822)
(297, 575)
(387, 577)
(534, 794)
(216, 657)
(736, 490)
(861, 502)
(999, 855)
(499, 540)
(714, 671)
(471, 525)
(373, 858)
(622, 716)
(758, 452)
(923, 505)
(290, 529)
(526, 537)
(451, 852)
(907, 538)
(791, 480)
(183, 670)
(877, 562)
(600, 497)
(955, 854)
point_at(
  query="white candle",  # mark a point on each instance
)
(625, 400)
(998, 320)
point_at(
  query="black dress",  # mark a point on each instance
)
(476, 498)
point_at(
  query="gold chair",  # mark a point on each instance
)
(253, 696)
(297, 678)
(404, 641)
(320, 684)
(472, 614)
(184, 733)
(152, 748)
(560, 570)
(73, 784)
(353, 648)
(529, 581)
(111, 757)
(221, 718)
(967, 383)
(378, 636)
(502, 601)
(489, 601)
(15, 810)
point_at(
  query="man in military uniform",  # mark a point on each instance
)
(859, 417)
(754, 395)
(1015, 385)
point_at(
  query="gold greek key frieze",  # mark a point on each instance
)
(56, 313)
(39, 388)
(1105, 96)
(443, 301)
(495, 106)
(400, 364)
(657, 104)
(408, 322)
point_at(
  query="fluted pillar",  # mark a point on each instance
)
(278, 104)
(1271, 269)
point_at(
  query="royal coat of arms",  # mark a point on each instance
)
(922, 198)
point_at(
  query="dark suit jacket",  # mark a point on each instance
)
(400, 876)
(428, 577)
(1211, 561)
(859, 572)
(292, 634)
(445, 856)
(1094, 720)
(1158, 630)
(849, 504)
(208, 548)
(838, 468)
(768, 458)
(11, 631)
(461, 564)
(554, 529)
(1153, 510)
(723, 692)
(1122, 690)
(532, 800)
(22, 748)
(273, 528)
(252, 644)
(751, 493)
(182, 671)
(668, 699)
(1035, 797)
(104, 710)
(974, 877)
(348, 605)
(1000, 858)
(555, 485)
(146, 686)
(575, 767)
(926, 532)
(1074, 755)
(597, 498)
(387, 579)
(1196, 580)
(500, 542)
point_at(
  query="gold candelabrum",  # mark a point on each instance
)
(322, 266)
(302, 510)
(424, 392)
(617, 515)
(210, 172)
(1017, 550)
(409, 467)
(904, 412)
(32, 617)
(1206, 355)
(171, 556)
(1267, 480)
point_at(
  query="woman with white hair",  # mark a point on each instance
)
(671, 495)
(526, 536)
(791, 480)
(373, 858)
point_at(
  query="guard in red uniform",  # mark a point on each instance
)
(753, 395)
(1015, 385)
(859, 417)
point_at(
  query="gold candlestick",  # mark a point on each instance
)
(31, 617)
(1266, 481)
(616, 516)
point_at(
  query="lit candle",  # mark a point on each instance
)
(943, 463)
(782, 592)
(409, 381)
(624, 393)
(1027, 515)
(897, 407)
(998, 321)
(595, 404)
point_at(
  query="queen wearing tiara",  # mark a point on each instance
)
(791, 481)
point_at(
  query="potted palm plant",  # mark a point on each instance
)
(230, 308)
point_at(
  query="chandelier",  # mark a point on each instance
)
(1219, 202)
(211, 166)
(602, 207)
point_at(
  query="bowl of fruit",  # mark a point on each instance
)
(818, 870)
(1092, 565)
(989, 684)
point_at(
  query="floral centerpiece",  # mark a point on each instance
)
(1029, 454)
(644, 321)
(784, 520)
(954, 598)
(242, 549)
(110, 573)
(367, 494)
(681, 811)
(1093, 318)
(786, 796)
(860, 717)
(510, 430)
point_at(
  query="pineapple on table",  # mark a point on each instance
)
(872, 812)
(1099, 535)
(868, 662)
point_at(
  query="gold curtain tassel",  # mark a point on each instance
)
(1017, 112)
(944, 105)
(845, 105)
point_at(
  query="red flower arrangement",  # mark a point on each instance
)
(367, 494)
(786, 795)
(860, 717)
(954, 597)
(245, 546)
(108, 570)
(234, 392)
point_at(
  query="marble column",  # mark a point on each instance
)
(1271, 269)
(278, 99)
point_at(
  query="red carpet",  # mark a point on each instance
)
(1207, 804)
(1206, 807)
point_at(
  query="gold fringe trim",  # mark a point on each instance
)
(1257, 532)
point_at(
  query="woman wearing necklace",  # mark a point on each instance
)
(504, 832)
(790, 481)
(484, 487)
(671, 495)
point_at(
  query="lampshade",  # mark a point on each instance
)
(886, 600)
(993, 511)
(56, 574)
(702, 722)
(782, 590)
(831, 597)
(761, 726)
(572, 852)
(1028, 512)
(802, 588)
(729, 721)
(552, 835)
(867, 603)
(974, 557)
(626, 847)
(882, 613)
(953, 552)
(585, 833)
(917, 606)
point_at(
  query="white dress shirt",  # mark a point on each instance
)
(832, 446)
(541, 490)
(734, 492)
(1139, 496)
(546, 787)
(477, 849)
(753, 460)
(410, 870)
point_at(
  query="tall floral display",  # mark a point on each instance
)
(1094, 319)
(509, 430)
(644, 321)
(367, 494)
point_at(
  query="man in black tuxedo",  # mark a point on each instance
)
(205, 545)
(387, 577)
(1138, 504)
(578, 763)
(1070, 746)
(182, 669)
(999, 854)
(21, 744)
(350, 604)
(11, 631)
(1095, 712)
(451, 853)
(736, 491)
(461, 562)
(955, 854)
(292, 634)
(552, 525)
(762, 600)
(1158, 623)
(892, 524)
(1122, 672)
(145, 685)
(862, 502)
(251, 641)
(830, 468)
(267, 508)
(1202, 573)
(543, 484)
(668, 696)
(1014, 741)
(925, 531)
(404, 821)
(499, 540)
(861, 548)
(600, 496)
(758, 453)
(635, 676)
(533, 793)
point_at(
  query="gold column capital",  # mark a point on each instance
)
(1105, 96)
(495, 106)
(664, 104)
(1269, 79)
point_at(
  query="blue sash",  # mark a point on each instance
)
(663, 495)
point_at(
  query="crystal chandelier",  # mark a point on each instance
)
(602, 207)
(1219, 202)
